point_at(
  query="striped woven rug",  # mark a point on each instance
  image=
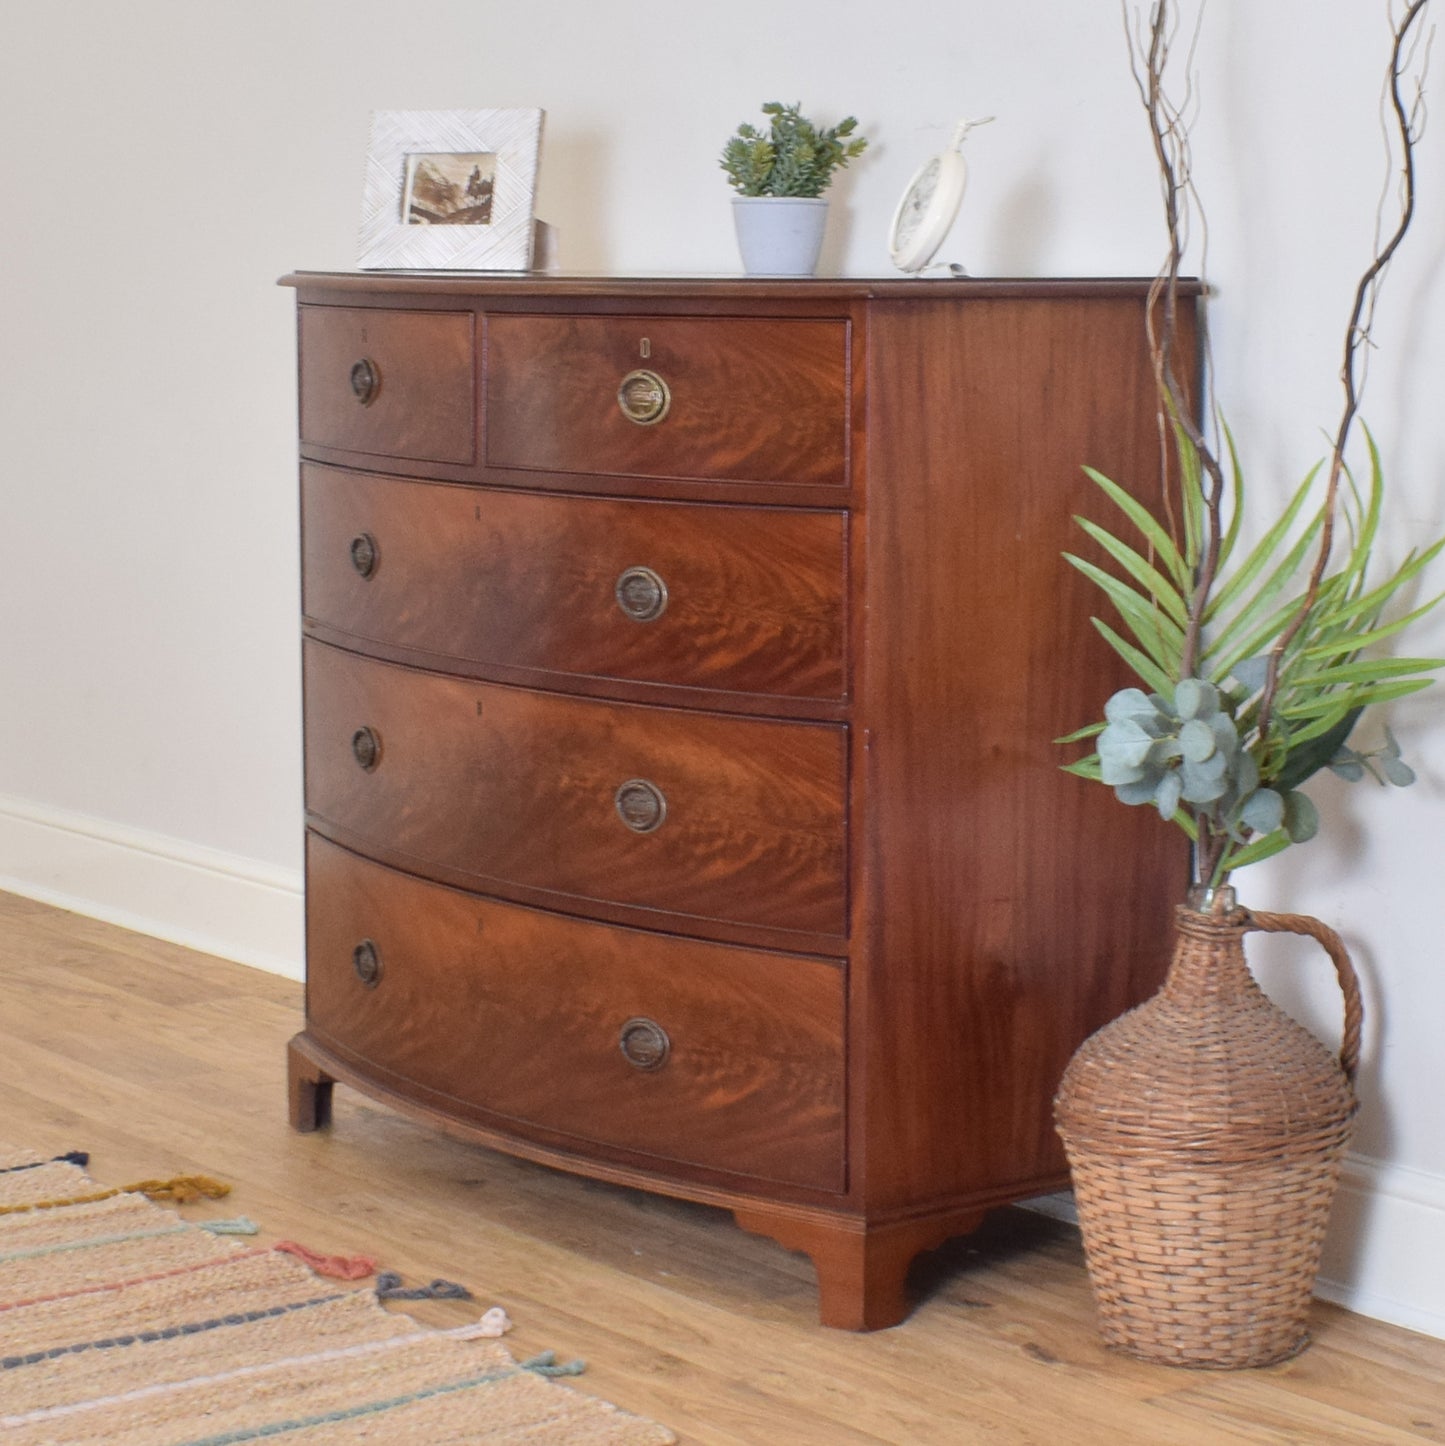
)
(122, 1324)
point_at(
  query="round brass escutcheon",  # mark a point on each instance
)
(366, 960)
(644, 398)
(364, 555)
(365, 381)
(640, 805)
(641, 594)
(644, 1043)
(366, 747)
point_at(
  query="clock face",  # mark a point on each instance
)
(926, 211)
(915, 204)
(929, 205)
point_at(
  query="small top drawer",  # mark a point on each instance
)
(389, 383)
(713, 398)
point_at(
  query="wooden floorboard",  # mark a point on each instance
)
(159, 1060)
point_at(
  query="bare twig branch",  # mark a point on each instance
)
(1139, 45)
(1408, 122)
(1187, 456)
(1179, 406)
(1171, 152)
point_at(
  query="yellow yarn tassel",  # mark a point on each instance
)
(181, 1188)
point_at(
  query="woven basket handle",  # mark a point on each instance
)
(1334, 946)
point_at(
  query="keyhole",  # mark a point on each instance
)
(646, 348)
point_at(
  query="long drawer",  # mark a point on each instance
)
(725, 1058)
(713, 398)
(697, 814)
(746, 599)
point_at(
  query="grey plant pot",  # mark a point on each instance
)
(780, 235)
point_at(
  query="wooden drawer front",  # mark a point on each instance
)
(511, 785)
(751, 598)
(520, 1013)
(422, 404)
(750, 399)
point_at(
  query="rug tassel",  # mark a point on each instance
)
(496, 1322)
(337, 1267)
(241, 1225)
(74, 1157)
(545, 1364)
(389, 1287)
(183, 1189)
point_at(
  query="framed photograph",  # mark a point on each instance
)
(451, 190)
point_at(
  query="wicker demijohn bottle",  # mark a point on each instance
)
(1205, 1131)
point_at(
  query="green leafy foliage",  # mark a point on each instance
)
(1197, 747)
(793, 157)
(1186, 749)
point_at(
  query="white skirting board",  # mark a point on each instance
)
(1384, 1256)
(203, 898)
(1385, 1251)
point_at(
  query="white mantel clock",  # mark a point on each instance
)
(930, 204)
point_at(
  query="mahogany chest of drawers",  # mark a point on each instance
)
(682, 665)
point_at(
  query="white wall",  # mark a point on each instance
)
(166, 160)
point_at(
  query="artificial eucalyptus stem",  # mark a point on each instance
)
(1357, 338)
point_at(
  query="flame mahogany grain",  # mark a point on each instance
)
(753, 399)
(518, 786)
(423, 408)
(877, 918)
(755, 596)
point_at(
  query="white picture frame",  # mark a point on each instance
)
(450, 190)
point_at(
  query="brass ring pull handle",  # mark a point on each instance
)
(366, 748)
(364, 556)
(641, 594)
(640, 805)
(644, 398)
(365, 381)
(366, 960)
(1334, 946)
(644, 1043)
